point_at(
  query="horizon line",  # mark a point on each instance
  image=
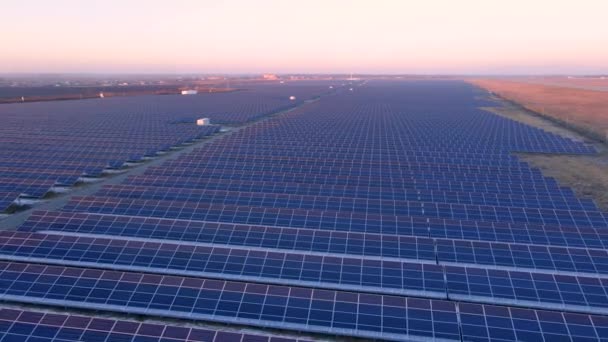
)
(54, 73)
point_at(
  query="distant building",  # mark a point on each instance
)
(203, 122)
(189, 92)
(270, 77)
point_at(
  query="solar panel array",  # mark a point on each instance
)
(49, 144)
(396, 211)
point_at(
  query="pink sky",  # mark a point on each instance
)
(375, 36)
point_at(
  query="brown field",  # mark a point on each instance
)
(586, 175)
(581, 109)
(591, 83)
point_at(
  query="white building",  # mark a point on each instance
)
(203, 122)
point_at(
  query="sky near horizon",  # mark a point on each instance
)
(312, 36)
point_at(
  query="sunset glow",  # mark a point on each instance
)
(469, 36)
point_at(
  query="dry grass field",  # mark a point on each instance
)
(586, 175)
(583, 110)
(591, 83)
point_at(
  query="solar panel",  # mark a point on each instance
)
(525, 289)
(39, 326)
(495, 323)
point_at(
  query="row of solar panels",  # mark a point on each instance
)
(545, 188)
(496, 255)
(229, 155)
(561, 287)
(279, 214)
(41, 326)
(512, 246)
(396, 150)
(364, 190)
(289, 307)
(293, 193)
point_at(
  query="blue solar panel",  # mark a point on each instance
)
(495, 323)
(40, 326)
